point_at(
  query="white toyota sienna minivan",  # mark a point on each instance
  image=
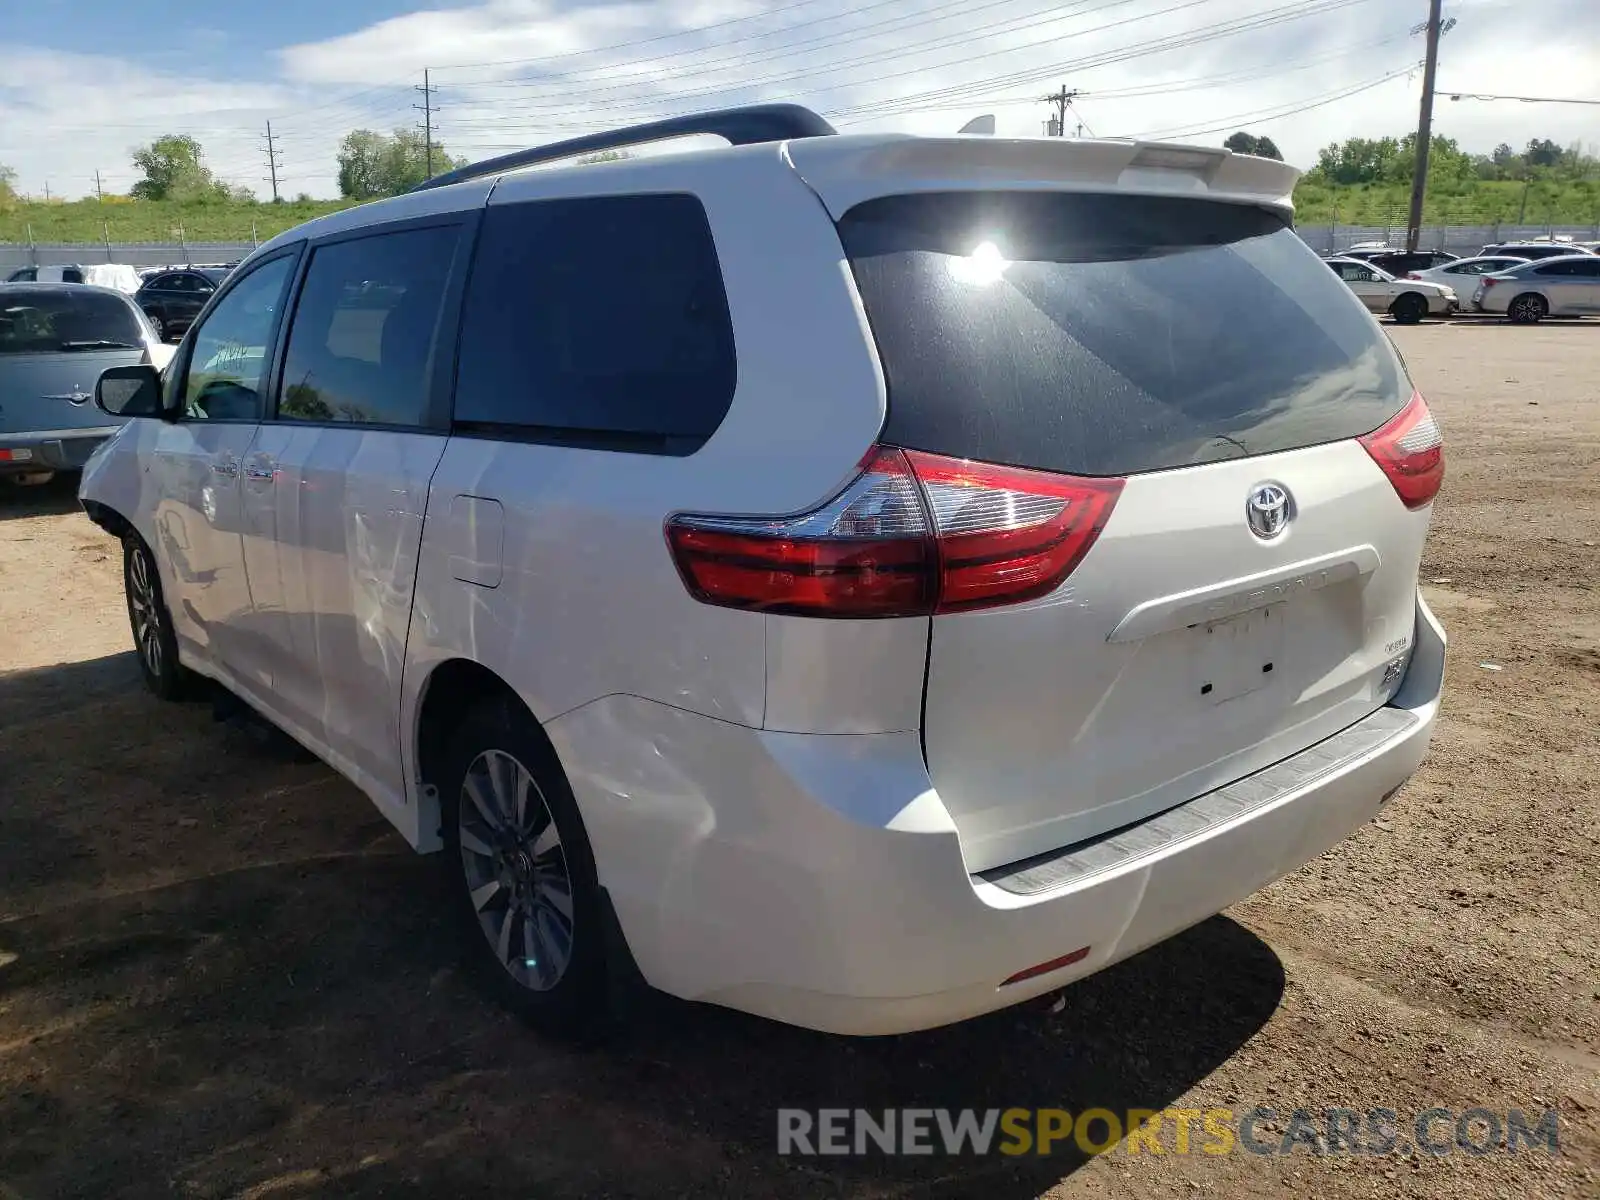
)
(862, 580)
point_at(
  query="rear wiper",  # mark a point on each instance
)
(98, 345)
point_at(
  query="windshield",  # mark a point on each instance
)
(1109, 334)
(64, 319)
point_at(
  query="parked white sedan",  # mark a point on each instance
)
(1406, 300)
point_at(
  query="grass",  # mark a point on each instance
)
(122, 220)
(1474, 202)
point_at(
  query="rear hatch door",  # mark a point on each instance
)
(1254, 585)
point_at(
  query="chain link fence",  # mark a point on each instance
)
(1457, 239)
(136, 254)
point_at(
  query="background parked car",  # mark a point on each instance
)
(119, 276)
(1533, 250)
(1553, 287)
(55, 339)
(1407, 301)
(173, 299)
(1464, 272)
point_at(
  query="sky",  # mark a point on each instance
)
(85, 81)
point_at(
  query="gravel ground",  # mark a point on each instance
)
(220, 974)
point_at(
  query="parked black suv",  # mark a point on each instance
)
(1398, 262)
(173, 299)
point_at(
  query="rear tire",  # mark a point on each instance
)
(1409, 309)
(153, 638)
(1527, 309)
(520, 874)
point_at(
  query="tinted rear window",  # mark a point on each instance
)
(49, 319)
(1111, 334)
(600, 321)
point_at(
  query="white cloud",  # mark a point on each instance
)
(925, 65)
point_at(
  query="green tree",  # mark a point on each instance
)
(8, 186)
(173, 168)
(1356, 160)
(374, 164)
(1542, 152)
(1246, 143)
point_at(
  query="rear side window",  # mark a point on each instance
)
(600, 321)
(1110, 334)
(53, 320)
(362, 337)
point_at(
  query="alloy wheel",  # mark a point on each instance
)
(143, 606)
(516, 870)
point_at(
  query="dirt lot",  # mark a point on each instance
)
(220, 974)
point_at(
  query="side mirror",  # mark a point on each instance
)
(129, 391)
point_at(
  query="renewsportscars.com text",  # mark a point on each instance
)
(1044, 1131)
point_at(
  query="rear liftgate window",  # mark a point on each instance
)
(1111, 334)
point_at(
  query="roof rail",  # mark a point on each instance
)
(740, 126)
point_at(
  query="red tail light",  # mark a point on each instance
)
(912, 535)
(1413, 275)
(1488, 283)
(1410, 449)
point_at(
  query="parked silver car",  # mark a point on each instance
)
(1465, 272)
(1552, 287)
(55, 339)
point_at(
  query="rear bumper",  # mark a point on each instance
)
(819, 879)
(50, 450)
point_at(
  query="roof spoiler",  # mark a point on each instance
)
(739, 126)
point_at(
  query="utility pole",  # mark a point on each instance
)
(1419, 177)
(98, 194)
(1060, 98)
(272, 162)
(47, 191)
(427, 109)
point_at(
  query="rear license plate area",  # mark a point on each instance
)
(1237, 656)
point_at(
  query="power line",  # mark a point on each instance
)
(581, 98)
(579, 101)
(652, 69)
(1160, 88)
(1270, 114)
(1104, 58)
(566, 54)
(1521, 99)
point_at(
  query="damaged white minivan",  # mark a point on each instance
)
(862, 580)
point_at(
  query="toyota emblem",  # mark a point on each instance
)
(1267, 510)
